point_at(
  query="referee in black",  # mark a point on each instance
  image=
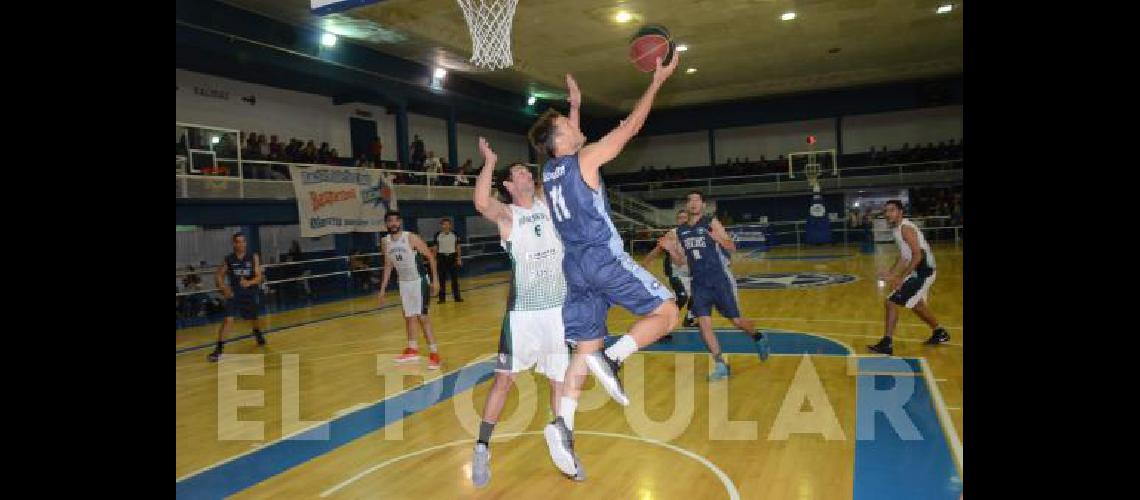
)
(446, 248)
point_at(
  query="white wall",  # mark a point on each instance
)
(774, 139)
(287, 114)
(509, 147)
(688, 149)
(279, 112)
(861, 132)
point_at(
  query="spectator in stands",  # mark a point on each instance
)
(375, 149)
(334, 158)
(251, 151)
(192, 304)
(432, 167)
(323, 153)
(363, 161)
(275, 148)
(309, 153)
(360, 274)
(291, 150)
(461, 179)
(226, 147)
(180, 147)
(418, 155)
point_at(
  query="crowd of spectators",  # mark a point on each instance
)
(937, 201)
(670, 176)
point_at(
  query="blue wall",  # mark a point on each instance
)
(783, 208)
(244, 212)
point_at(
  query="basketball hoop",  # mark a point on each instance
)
(811, 171)
(490, 25)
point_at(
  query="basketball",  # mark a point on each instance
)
(649, 43)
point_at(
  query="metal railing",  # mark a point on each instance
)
(899, 173)
(203, 271)
(633, 208)
(264, 179)
(935, 228)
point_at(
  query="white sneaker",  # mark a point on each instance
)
(560, 442)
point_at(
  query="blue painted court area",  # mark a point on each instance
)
(737, 342)
(891, 466)
(236, 475)
(763, 255)
(893, 460)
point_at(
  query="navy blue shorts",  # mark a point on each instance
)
(596, 278)
(721, 294)
(248, 306)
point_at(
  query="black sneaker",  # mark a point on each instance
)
(883, 347)
(457, 299)
(606, 370)
(260, 338)
(213, 357)
(939, 336)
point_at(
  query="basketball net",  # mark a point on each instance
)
(811, 171)
(490, 25)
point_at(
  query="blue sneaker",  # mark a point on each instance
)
(719, 372)
(763, 348)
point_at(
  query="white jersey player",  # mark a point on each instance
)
(909, 279)
(406, 252)
(532, 334)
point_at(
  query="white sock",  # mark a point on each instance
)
(622, 349)
(566, 409)
(413, 344)
(433, 348)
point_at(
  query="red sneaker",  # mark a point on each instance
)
(433, 361)
(408, 355)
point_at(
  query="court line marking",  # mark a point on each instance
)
(319, 358)
(943, 415)
(347, 411)
(729, 486)
(479, 360)
(401, 345)
(344, 411)
(377, 310)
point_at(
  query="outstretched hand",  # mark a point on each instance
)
(663, 72)
(575, 97)
(489, 156)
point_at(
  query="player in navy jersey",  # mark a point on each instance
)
(598, 271)
(708, 248)
(676, 268)
(239, 278)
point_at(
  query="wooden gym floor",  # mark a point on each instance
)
(820, 419)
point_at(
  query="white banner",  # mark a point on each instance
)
(341, 200)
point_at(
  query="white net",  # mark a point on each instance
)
(812, 165)
(490, 25)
